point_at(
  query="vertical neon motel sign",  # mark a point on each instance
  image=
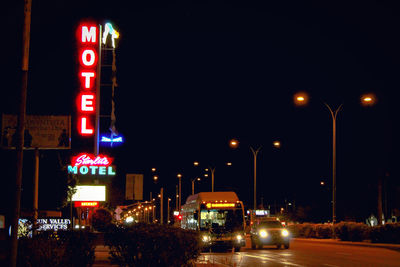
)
(87, 37)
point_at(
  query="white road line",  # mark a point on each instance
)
(272, 259)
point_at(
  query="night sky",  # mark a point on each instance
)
(193, 74)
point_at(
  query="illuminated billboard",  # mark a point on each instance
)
(90, 193)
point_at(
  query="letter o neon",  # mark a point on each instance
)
(83, 170)
(91, 55)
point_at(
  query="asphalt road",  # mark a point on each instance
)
(305, 253)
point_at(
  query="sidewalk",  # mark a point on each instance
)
(101, 260)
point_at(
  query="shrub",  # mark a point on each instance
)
(101, 219)
(304, 230)
(56, 249)
(152, 245)
(388, 233)
(323, 231)
(307, 230)
(351, 231)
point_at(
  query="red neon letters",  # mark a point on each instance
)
(87, 36)
(86, 204)
(91, 160)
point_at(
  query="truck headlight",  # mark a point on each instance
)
(263, 233)
(285, 233)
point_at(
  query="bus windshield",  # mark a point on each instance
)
(229, 220)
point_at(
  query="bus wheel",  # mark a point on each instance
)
(237, 249)
(278, 246)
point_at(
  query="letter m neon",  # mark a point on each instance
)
(89, 36)
(73, 170)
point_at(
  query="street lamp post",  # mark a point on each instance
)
(180, 190)
(334, 114)
(212, 178)
(193, 181)
(255, 152)
(169, 200)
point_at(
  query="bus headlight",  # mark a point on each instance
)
(285, 233)
(263, 233)
(239, 237)
(206, 238)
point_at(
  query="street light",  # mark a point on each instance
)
(234, 143)
(334, 114)
(255, 152)
(277, 144)
(368, 99)
(180, 190)
(212, 170)
(301, 99)
(169, 200)
(194, 180)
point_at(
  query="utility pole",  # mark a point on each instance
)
(255, 152)
(20, 132)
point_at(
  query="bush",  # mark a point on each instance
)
(101, 220)
(351, 231)
(307, 230)
(152, 245)
(388, 233)
(47, 249)
(323, 231)
(304, 230)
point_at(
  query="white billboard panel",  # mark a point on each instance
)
(90, 193)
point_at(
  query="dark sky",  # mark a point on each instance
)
(193, 74)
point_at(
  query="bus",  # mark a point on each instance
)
(218, 216)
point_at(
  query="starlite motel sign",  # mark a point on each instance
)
(88, 164)
(87, 37)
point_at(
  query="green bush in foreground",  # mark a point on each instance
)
(47, 249)
(152, 245)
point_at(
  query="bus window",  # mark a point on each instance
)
(231, 220)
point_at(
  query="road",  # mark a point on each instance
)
(305, 253)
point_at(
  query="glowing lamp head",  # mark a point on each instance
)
(300, 99)
(368, 99)
(234, 143)
(277, 144)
